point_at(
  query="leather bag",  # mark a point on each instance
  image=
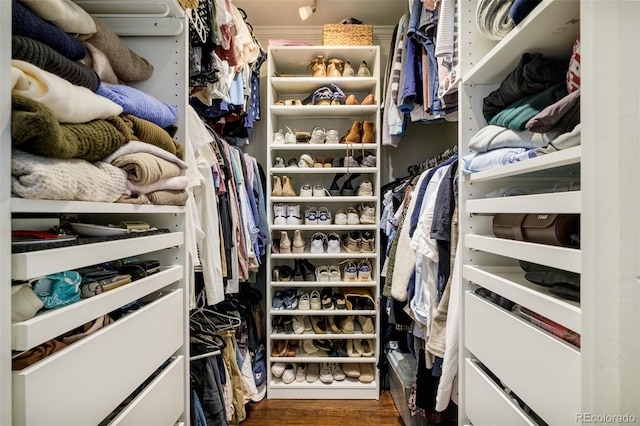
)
(552, 229)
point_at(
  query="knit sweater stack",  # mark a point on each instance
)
(73, 112)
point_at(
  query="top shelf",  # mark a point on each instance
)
(295, 60)
(551, 29)
(23, 205)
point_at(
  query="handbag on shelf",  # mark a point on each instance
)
(552, 229)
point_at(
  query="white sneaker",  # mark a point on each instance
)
(307, 160)
(278, 138)
(324, 216)
(290, 136)
(332, 136)
(367, 214)
(313, 371)
(340, 218)
(333, 243)
(306, 190)
(304, 304)
(293, 214)
(279, 214)
(279, 163)
(311, 216)
(338, 373)
(352, 217)
(326, 372)
(319, 191)
(365, 189)
(301, 372)
(277, 369)
(289, 374)
(317, 135)
(317, 242)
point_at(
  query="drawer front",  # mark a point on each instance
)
(83, 383)
(538, 367)
(486, 403)
(159, 404)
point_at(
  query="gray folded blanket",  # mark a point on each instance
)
(492, 18)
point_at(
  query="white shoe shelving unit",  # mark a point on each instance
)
(289, 77)
(540, 368)
(89, 379)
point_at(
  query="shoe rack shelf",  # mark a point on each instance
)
(528, 360)
(290, 79)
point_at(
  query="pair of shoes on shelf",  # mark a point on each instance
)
(363, 70)
(303, 270)
(326, 95)
(354, 271)
(288, 246)
(360, 132)
(368, 100)
(283, 187)
(282, 273)
(317, 216)
(280, 138)
(317, 190)
(358, 242)
(325, 243)
(320, 135)
(328, 273)
(347, 217)
(286, 214)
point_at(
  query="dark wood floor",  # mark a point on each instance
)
(323, 412)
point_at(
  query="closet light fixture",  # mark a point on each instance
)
(306, 11)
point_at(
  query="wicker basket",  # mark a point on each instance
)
(347, 35)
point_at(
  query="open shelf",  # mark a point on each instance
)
(322, 170)
(314, 284)
(310, 84)
(557, 202)
(24, 205)
(321, 111)
(322, 146)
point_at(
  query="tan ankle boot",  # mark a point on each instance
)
(277, 187)
(318, 67)
(334, 68)
(287, 187)
(368, 134)
(354, 133)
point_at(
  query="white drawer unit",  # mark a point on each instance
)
(540, 368)
(83, 383)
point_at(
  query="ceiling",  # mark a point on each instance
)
(285, 12)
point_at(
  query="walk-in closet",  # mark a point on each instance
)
(319, 212)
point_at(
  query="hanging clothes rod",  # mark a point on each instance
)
(207, 355)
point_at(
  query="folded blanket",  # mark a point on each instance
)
(69, 103)
(175, 183)
(44, 57)
(149, 132)
(549, 117)
(97, 61)
(521, 8)
(64, 14)
(133, 147)
(517, 115)
(127, 64)
(28, 24)
(165, 198)
(533, 74)
(35, 129)
(38, 177)
(492, 18)
(140, 104)
(478, 161)
(495, 137)
(143, 168)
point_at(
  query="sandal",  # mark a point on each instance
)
(368, 347)
(348, 324)
(319, 324)
(297, 324)
(366, 324)
(338, 97)
(318, 67)
(352, 352)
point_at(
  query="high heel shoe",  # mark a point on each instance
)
(318, 67)
(348, 70)
(363, 70)
(334, 68)
(351, 100)
(369, 100)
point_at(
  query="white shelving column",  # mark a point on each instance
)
(541, 369)
(289, 78)
(5, 213)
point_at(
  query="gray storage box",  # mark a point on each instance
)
(402, 371)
